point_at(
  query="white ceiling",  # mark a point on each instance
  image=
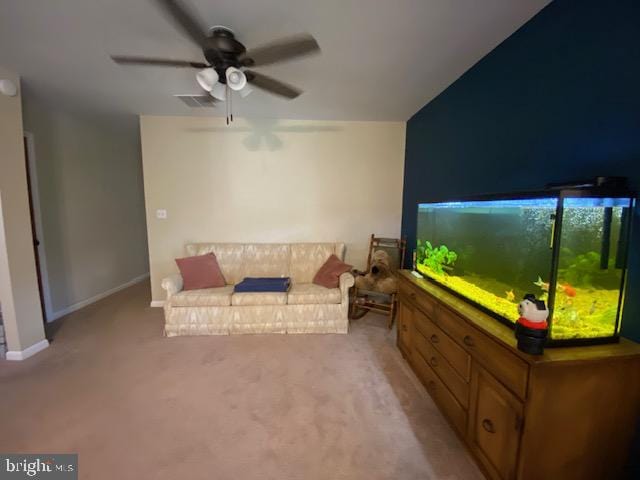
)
(381, 59)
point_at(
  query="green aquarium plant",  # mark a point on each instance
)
(437, 259)
(585, 271)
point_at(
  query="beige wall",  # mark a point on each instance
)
(92, 201)
(19, 296)
(269, 181)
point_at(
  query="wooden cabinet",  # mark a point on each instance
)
(567, 414)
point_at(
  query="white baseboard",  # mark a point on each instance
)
(95, 298)
(157, 303)
(17, 355)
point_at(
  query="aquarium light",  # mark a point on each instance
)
(550, 202)
(589, 202)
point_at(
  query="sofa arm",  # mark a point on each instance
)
(172, 284)
(346, 282)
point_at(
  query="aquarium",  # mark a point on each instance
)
(568, 247)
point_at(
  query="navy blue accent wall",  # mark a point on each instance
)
(558, 100)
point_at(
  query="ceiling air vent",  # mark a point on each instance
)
(197, 101)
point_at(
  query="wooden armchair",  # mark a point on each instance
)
(363, 301)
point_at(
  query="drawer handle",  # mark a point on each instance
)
(431, 384)
(434, 338)
(412, 295)
(404, 327)
(468, 341)
(488, 425)
(433, 362)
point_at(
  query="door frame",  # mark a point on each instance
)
(37, 217)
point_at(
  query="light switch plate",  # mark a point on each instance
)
(161, 214)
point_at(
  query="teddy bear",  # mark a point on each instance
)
(380, 277)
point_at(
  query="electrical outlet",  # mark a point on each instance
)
(161, 214)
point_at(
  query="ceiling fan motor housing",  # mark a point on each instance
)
(224, 51)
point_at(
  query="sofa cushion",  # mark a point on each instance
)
(307, 258)
(230, 257)
(259, 298)
(200, 271)
(207, 297)
(310, 293)
(266, 260)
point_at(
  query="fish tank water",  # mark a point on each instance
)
(568, 247)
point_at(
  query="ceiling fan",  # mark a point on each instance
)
(225, 70)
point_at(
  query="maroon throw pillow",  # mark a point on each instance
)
(201, 271)
(329, 274)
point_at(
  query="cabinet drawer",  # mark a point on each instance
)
(405, 319)
(454, 353)
(422, 300)
(458, 386)
(440, 394)
(504, 365)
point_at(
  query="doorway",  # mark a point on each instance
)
(36, 225)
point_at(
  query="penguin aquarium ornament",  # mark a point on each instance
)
(531, 327)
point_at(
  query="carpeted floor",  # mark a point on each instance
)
(136, 405)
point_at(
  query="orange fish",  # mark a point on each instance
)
(568, 290)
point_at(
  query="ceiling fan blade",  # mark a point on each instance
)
(186, 20)
(271, 85)
(159, 62)
(281, 50)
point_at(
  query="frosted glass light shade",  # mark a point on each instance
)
(8, 88)
(219, 91)
(236, 79)
(207, 78)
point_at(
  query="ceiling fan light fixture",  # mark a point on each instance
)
(219, 91)
(8, 88)
(207, 78)
(245, 91)
(236, 79)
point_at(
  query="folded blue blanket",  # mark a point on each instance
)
(250, 284)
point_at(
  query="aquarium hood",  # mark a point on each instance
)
(618, 183)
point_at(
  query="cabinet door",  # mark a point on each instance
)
(405, 326)
(496, 424)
